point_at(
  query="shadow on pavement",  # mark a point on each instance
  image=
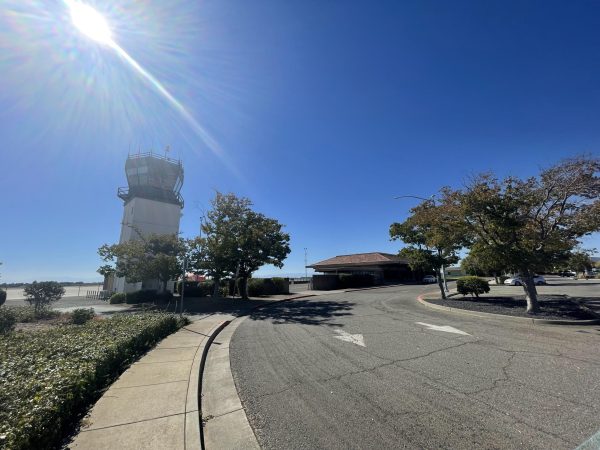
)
(304, 312)
(206, 305)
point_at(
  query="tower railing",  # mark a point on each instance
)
(155, 155)
(159, 194)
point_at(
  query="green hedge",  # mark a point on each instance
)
(267, 286)
(8, 319)
(195, 289)
(147, 296)
(472, 286)
(117, 298)
(49, 378)
(2, 296)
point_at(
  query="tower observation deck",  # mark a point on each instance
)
(153, 177)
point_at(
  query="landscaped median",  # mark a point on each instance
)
(557, 308)
(49, 378)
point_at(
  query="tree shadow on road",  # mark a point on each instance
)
(304, 311)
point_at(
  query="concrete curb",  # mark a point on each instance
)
(194, 437)
(533, 321)
(225, 424)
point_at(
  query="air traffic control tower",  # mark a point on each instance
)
(152, 203)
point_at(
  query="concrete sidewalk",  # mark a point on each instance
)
(154, 403)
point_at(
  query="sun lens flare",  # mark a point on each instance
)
(94, 26)
(90, 22)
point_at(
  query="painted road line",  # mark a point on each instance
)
(357, 339)
(592, 443)
(446, 328)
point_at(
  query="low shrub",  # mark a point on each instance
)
(25, 314)
(2, 296)
(195, 289)
(50, 377)
(80, 316)
(118, 297)
(165, 296)
(267, 286)
(8, 319)
(145, 295)
(472, 285)
(41, 294)
(282, 285)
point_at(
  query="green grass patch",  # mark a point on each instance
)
(49, 378)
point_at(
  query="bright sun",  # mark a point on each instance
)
(90, 22)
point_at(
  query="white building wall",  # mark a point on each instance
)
(144, 216)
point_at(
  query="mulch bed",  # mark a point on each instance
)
(552, 306)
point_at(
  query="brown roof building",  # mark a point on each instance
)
(383, 266)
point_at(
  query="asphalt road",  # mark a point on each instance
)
(305, 382)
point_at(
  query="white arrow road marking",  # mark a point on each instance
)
(357, 339)
(446, 328)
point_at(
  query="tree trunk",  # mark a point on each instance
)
(440, 282)
(216, 288)
(530, 294)
(243, 287)
(496, 278)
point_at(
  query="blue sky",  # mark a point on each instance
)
(319, 111)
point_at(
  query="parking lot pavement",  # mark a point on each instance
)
(377, 369)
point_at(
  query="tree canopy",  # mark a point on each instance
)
(237, 241)
(152, 257)
(531, 225)
(433, 237)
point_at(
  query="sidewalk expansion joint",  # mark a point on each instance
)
(209, 418)
(169, 361)
(144, 385)
(131, 423)
(197, 332)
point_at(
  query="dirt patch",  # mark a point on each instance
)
(43, 324)
(552, 306)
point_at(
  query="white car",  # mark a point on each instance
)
(516, 281)
(429, 279)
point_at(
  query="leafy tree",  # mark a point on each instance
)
(238, 241)
(41, 294)
(531, 225)
(579, 261)
(482, 262)
(262, 241)
(214, 254)
(152, 257)
(433, 236)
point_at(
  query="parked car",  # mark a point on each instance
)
(516, 281)
(567, 273)
(429, 279)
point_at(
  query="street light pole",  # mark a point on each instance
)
(183, 285)
(432, 200)
(305, 263)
